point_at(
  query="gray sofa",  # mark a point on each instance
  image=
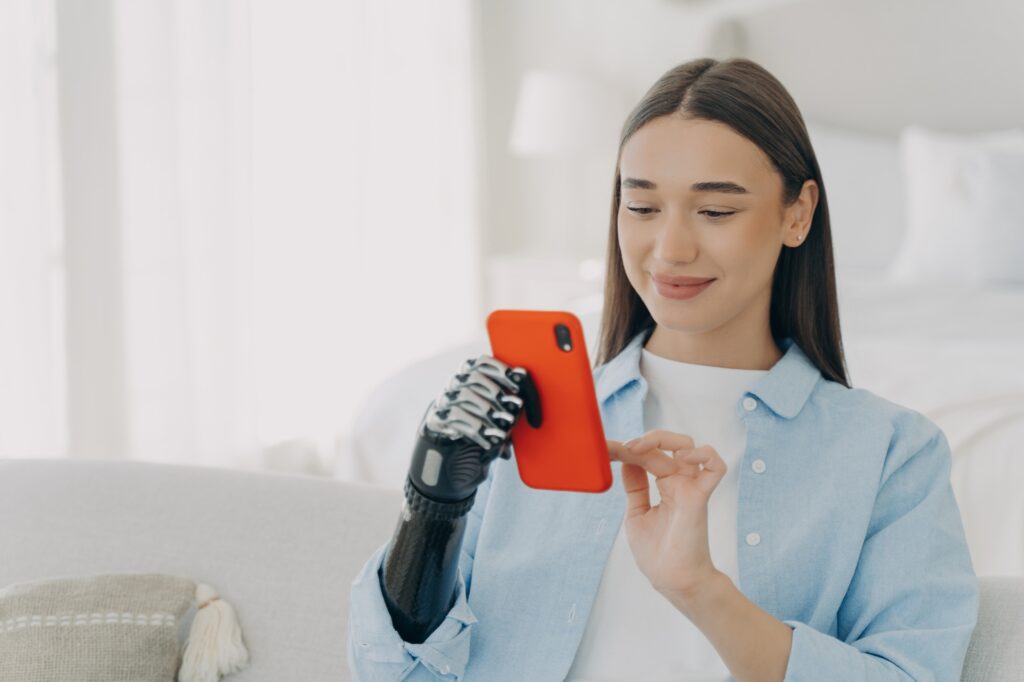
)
(282, 548)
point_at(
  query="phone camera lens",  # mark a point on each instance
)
(563, 338)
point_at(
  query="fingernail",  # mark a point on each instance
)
(629, 443)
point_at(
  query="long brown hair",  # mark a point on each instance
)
(746, 97)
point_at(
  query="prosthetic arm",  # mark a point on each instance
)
(463, 430)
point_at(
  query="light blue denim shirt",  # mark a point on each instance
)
(849, 533)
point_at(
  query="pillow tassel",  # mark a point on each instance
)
(214, 646)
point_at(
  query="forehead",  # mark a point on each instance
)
(675, 153)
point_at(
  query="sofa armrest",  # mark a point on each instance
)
(996, 650)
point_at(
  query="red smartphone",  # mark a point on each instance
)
(568, 450)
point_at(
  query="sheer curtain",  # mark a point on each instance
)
(32, 416)
(365, 214)
(296, 195)
(182, 82)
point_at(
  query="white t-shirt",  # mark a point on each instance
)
(633, 632)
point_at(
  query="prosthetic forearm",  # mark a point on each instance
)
(463, 431)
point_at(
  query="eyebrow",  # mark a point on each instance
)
(723, 186)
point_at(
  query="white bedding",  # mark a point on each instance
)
(954, 354)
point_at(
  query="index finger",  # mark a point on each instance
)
(663, 440)
(651, 459)
(615, 449)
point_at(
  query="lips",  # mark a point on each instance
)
(680, 279)
(681, 291)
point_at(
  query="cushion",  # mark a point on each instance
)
(855, 165)
(112, 628)
(993, 178)
(943, 222)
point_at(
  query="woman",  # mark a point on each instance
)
(813, 535)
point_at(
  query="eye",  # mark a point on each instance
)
(713, 215)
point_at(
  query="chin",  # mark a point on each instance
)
(676, 319)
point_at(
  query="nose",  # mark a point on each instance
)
(676, 241)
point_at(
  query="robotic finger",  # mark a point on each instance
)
(467, 426)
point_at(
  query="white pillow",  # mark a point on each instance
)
(863, 181)
(994, 179)
(943, 221)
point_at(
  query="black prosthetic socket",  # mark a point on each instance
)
(418, 575)
(449, 470)
(463, 431)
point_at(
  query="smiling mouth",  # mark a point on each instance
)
(680, 291)
(680, 280)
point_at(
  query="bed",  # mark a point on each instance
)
(955, 355)
(951, 349)
(889, 91)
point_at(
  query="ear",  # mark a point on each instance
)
(801, 213)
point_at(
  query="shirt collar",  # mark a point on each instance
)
(785, 388)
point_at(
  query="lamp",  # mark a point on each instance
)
(563, 119)
(564, 114)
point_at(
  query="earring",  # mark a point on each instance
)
(799, 237)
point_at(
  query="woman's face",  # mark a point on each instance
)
(668, 224)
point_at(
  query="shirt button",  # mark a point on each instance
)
(749, 403)
(758, 466)
(753, 539)
(445, 669)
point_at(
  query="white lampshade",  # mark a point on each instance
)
(563, 113)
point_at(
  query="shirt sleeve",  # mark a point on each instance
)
(912, 604)
(377, 653)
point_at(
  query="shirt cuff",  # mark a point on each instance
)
(375, 646)
(813, 653)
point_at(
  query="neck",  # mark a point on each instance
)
(734, 352)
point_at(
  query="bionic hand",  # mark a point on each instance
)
(464, 429)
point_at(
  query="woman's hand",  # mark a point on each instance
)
(669, 540)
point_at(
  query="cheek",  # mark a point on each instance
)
(749, 257)
(633, 248)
